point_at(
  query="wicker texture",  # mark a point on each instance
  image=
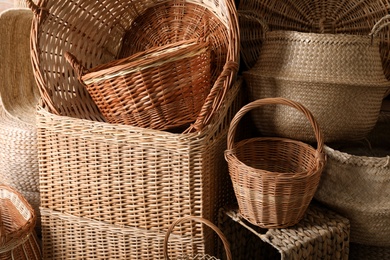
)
(205, 222)
(366, 252)
(356, 183)
(274, 179)
(321, 16)
(338, 77)
(17, 222)
(161, 88)
(97, 32)
(321, 234)
(134, 177)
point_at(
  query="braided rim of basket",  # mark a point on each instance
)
(200, 220)
(23, 233)
(319, 155)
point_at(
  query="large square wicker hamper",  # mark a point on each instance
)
(132, 178)
(321, 234)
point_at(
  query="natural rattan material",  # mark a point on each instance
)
(205, 222)
(320, 16)
(321, 234)
(338, 77)
(366, 252)
(274, 179)
(356, 183)
(97, 32)
(129, 176)
(17, 221)
(161, 88)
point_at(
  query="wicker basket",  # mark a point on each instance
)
(366, 252)
(161, 88)
(319, 16)
(17, 222)
(338, 77)
(356, 183)
(97, 32)
(132, 177)
(274, 179)
(205, 222)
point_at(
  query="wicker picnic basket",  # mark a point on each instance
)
(17, 223)
(97, 32)
(338, 77)
(161, 88)
(196, 257)
(319, 16)
(274, 179)
(356, 183)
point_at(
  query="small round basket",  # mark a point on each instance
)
(17, 222)
(205, 222)
(274, 179)
(161, 88)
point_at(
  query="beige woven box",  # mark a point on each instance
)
(132, 177)
(321, 234)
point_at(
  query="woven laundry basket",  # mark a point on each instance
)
(274, 179)
(97, 32)
(133, 177)
(338, 77)
(161, 88)
(356, 183)
(17, 222)
(206, 222)
(319, 16)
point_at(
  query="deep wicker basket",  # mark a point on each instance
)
(17, 223)
(161, 88)
(274, 178)
(98, 32)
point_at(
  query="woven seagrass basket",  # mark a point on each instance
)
(17, 222)
(197, 257)
(161, 88)
(274, 179)
(356, 183)
(338, 77)
(97, 32)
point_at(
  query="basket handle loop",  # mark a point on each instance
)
(379, 25)
(200, 220)
(36, 9)
(277, 101)
(75, 63)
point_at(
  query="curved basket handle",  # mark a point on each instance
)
(277, 101)
(379, 25)
(200, 220)
(254, 17)
(36, 9)
(75, 63)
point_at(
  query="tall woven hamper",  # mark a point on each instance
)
(97, 32)
(129, 178)
(321, 234)
(18, 100)
(17, 222)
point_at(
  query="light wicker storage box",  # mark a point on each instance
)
(321, 234)
(134, 177)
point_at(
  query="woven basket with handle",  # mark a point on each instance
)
(274, 178)
(160, 88)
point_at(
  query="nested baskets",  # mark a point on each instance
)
(17, 222)
(338, 77)
(356, 183)
(204, 221)
(274, 179)
(97, 32)
(161, 88)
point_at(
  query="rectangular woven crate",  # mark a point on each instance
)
(135, 177)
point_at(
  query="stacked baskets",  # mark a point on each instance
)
(119, 185)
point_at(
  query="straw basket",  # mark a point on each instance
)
(205, 222)
(17, 222)
(338, 77)
(317, 16)
(161, 88)
(274, 179)
(356, 183)
(98, 32)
